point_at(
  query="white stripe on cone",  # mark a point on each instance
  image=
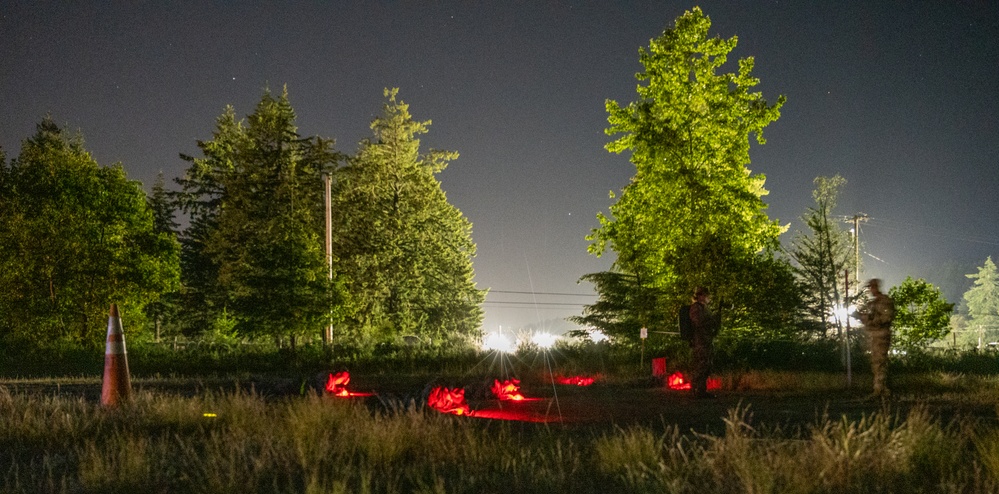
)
(117, 386)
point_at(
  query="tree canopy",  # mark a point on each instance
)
(254, 249)
(922, 315)
(74, 238)
(693, 213)
(405, 251)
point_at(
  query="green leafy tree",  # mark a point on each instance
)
(822, 255)
(983, 303)
(255, 242)
(405, 250)
(693, 213)
(922, 315)
(74, 238)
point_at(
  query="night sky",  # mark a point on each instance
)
(899, 97)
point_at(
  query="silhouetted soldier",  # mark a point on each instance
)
(877, 314)
(705, 325)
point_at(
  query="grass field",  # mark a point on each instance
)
(765, 432)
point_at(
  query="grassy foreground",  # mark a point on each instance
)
(241, 442)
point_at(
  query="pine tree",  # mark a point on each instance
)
(983, 303)
(405, 250)
(255, 240)
(822, 255)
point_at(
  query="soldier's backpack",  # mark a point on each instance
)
(686, 326)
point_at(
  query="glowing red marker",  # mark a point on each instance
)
(449, 401)
(508, 390)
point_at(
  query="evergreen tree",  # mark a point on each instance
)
(164, 309)
(74, 238)
(405, 251)
(625, 305)
(822, 255)
(983, 303)
(693, 213)
(255, 242)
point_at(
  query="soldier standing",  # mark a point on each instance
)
(705, 326)
(877, 315)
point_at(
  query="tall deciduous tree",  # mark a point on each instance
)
(922, 315)
(75, 237)
(693, 213)
(255, 241)
(983, 303)
(405, 250)
(822, 254)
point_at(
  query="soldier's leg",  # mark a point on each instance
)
(879, 361)
(702, 367)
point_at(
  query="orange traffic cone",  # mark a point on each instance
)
(117, 386)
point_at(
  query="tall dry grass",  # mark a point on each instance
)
(240, 442)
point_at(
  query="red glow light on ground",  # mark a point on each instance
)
(336, 385)
(449, 401)
(575, 380)
(508, 390)
(679, 382)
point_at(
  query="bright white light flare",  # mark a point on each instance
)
(544, 340)
(597, 336)
(497, 342)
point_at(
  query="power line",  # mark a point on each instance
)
(899, 226)
(545, 293)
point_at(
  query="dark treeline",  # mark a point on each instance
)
(251, 263)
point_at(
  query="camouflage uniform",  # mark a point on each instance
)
(877, 315)
(705, 326)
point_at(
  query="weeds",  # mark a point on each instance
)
(241, 442)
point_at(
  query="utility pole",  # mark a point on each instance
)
(846, 346)
(328, 331)
(856, 244)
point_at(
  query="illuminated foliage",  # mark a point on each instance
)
(75, 237)
(693, 213)
(922, 315)
(405, 251)
(255, 244)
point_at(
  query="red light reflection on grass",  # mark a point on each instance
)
(575, 380)
(513, 415)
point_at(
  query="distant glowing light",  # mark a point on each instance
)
(209, 415)
(544, 340)
(845, 314)
(497, 342)
(597, 336)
